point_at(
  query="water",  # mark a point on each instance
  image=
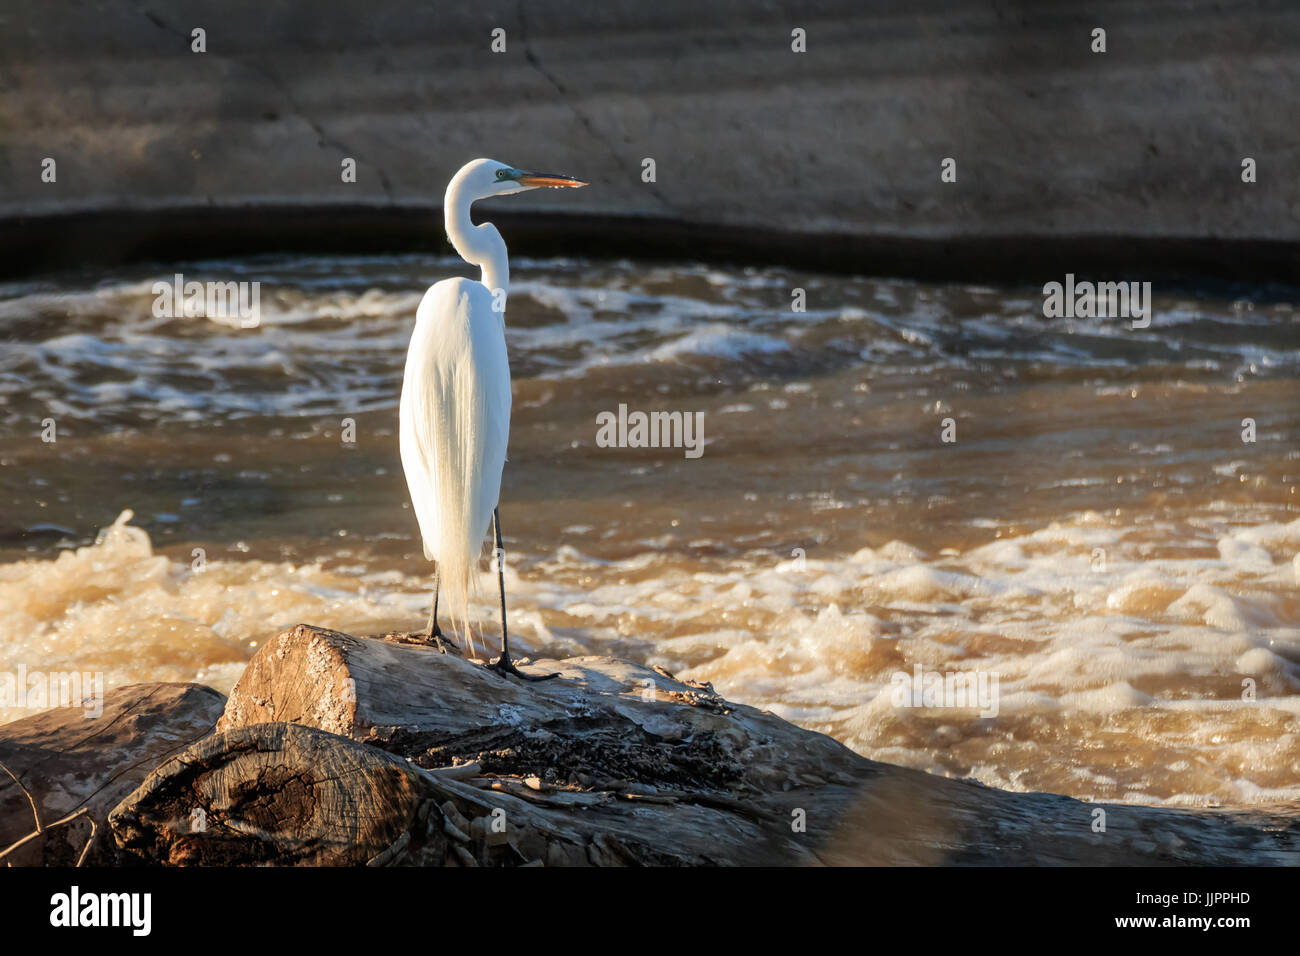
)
(1099, 537)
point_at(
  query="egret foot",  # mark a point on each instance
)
(434, 633)
(503, 666)
(435, 637)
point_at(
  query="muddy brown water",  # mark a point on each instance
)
(1098, 551)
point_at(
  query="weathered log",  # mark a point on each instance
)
(419, 757)
(276, 794)
(285, 794)
(65, 761)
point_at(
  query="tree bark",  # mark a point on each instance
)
(67, 761)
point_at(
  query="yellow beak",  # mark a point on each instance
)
(548, 179)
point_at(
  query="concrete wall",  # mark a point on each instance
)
(1051, 140)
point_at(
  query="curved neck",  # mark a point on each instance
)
(480, 246)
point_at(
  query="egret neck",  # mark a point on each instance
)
(481, 245)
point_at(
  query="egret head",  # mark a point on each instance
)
(487, 177)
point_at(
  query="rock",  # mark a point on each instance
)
(68, 761)
(436, 760)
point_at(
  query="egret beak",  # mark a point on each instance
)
(547, 179)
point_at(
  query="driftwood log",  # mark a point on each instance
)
(64, 762)
(343, 750)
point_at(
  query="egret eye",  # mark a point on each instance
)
(501, 174)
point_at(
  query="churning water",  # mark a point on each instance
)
(1096, 537)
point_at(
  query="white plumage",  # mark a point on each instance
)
(454, 425)
(454, 419)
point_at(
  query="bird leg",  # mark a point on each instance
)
(503, 664)
(434, 635)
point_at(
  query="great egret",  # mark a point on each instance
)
(455, 410)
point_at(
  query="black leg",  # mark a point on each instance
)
(434, 635)
(503, 664)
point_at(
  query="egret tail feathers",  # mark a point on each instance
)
(458, 457)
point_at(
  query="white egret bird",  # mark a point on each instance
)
(455, 411)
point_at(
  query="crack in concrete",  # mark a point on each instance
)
(323, 137)
(531, 56)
